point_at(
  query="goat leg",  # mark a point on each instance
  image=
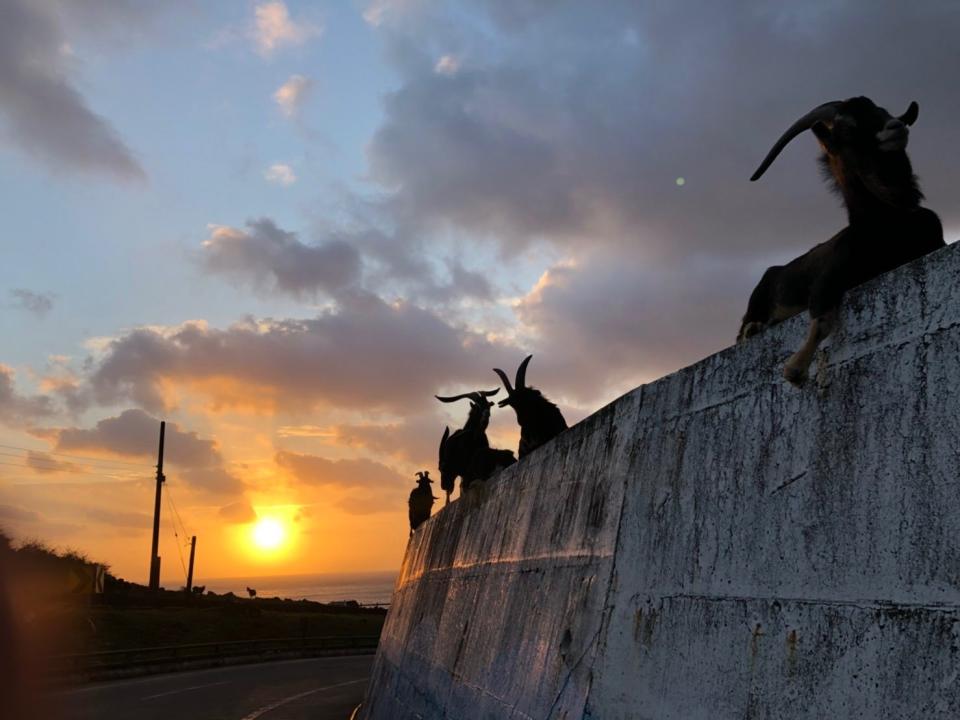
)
(795, 371)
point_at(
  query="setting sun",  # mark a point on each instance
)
(268, 534)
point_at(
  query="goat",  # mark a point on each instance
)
(199, 589)
(539, 419)
(421, 500)
(864, 158)
(251, 592)
(467, 452)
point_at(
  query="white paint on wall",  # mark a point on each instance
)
(716, 544)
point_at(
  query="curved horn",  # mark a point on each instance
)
(443, 441)
(474, 396)
(454, 398)
(821, 113)
(521, 381)
(505, 380)
(910, 116)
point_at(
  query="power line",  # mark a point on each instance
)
(85, 458)
(59, 464)
(40, 465)
(176, 536)
(173, 504)
(72, 471)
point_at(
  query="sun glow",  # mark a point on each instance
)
(269, 534)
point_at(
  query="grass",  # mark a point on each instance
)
(52, 621)
(122, 628)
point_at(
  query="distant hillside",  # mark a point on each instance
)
(56, 612)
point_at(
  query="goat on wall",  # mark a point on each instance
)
(467, 452)
(420, 502)
(539, 419)
(865, 159)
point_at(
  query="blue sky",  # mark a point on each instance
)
(452, 186)
(202, 120)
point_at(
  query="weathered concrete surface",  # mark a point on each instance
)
(716, 544)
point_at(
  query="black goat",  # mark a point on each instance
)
(864, 157)
(251, 592)
(467, 452)
(487, 461)
(539, 419)
(421, 500)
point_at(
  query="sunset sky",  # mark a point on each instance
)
(283, 227)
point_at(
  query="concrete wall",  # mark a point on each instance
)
(716, 544)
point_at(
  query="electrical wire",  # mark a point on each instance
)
(176, 512)
(129, 477)
(72, 471)
(101, 461)
(177, 537)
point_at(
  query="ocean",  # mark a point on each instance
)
(371, 588)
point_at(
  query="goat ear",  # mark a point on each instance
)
(824, 135)
(910, 116)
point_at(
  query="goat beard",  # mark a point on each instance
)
(893, 183)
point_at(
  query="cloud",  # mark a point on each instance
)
(273, 259)
(368, 486)
(280, 174)
(363, 354)
(47, 464)
(412, 439)
(521, 148)
(119, 518)
(240, 512)
(42, 112)
(379, 12)
(215, 480)
(599, 325)
(134, 433)
(387, 262)
(538, 158)
(292, 94)
(415, 439)
(37, 303)
(447, 65)
(274, 28)
(18, 409)
(375, 12)
(353, 473)
(12, 513)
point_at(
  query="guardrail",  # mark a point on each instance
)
(116, 663)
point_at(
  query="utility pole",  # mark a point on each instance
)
(154, 557)
(193, 549)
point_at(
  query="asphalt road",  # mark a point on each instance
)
(316, 688)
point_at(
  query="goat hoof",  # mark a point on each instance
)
(794, 375)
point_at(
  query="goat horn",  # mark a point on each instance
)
(505, 380)
(488, 393)
(821, 113)
(443, 440)
(454, 398)
(521, 381)
(910, 116)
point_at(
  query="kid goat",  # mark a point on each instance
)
(864, 158)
